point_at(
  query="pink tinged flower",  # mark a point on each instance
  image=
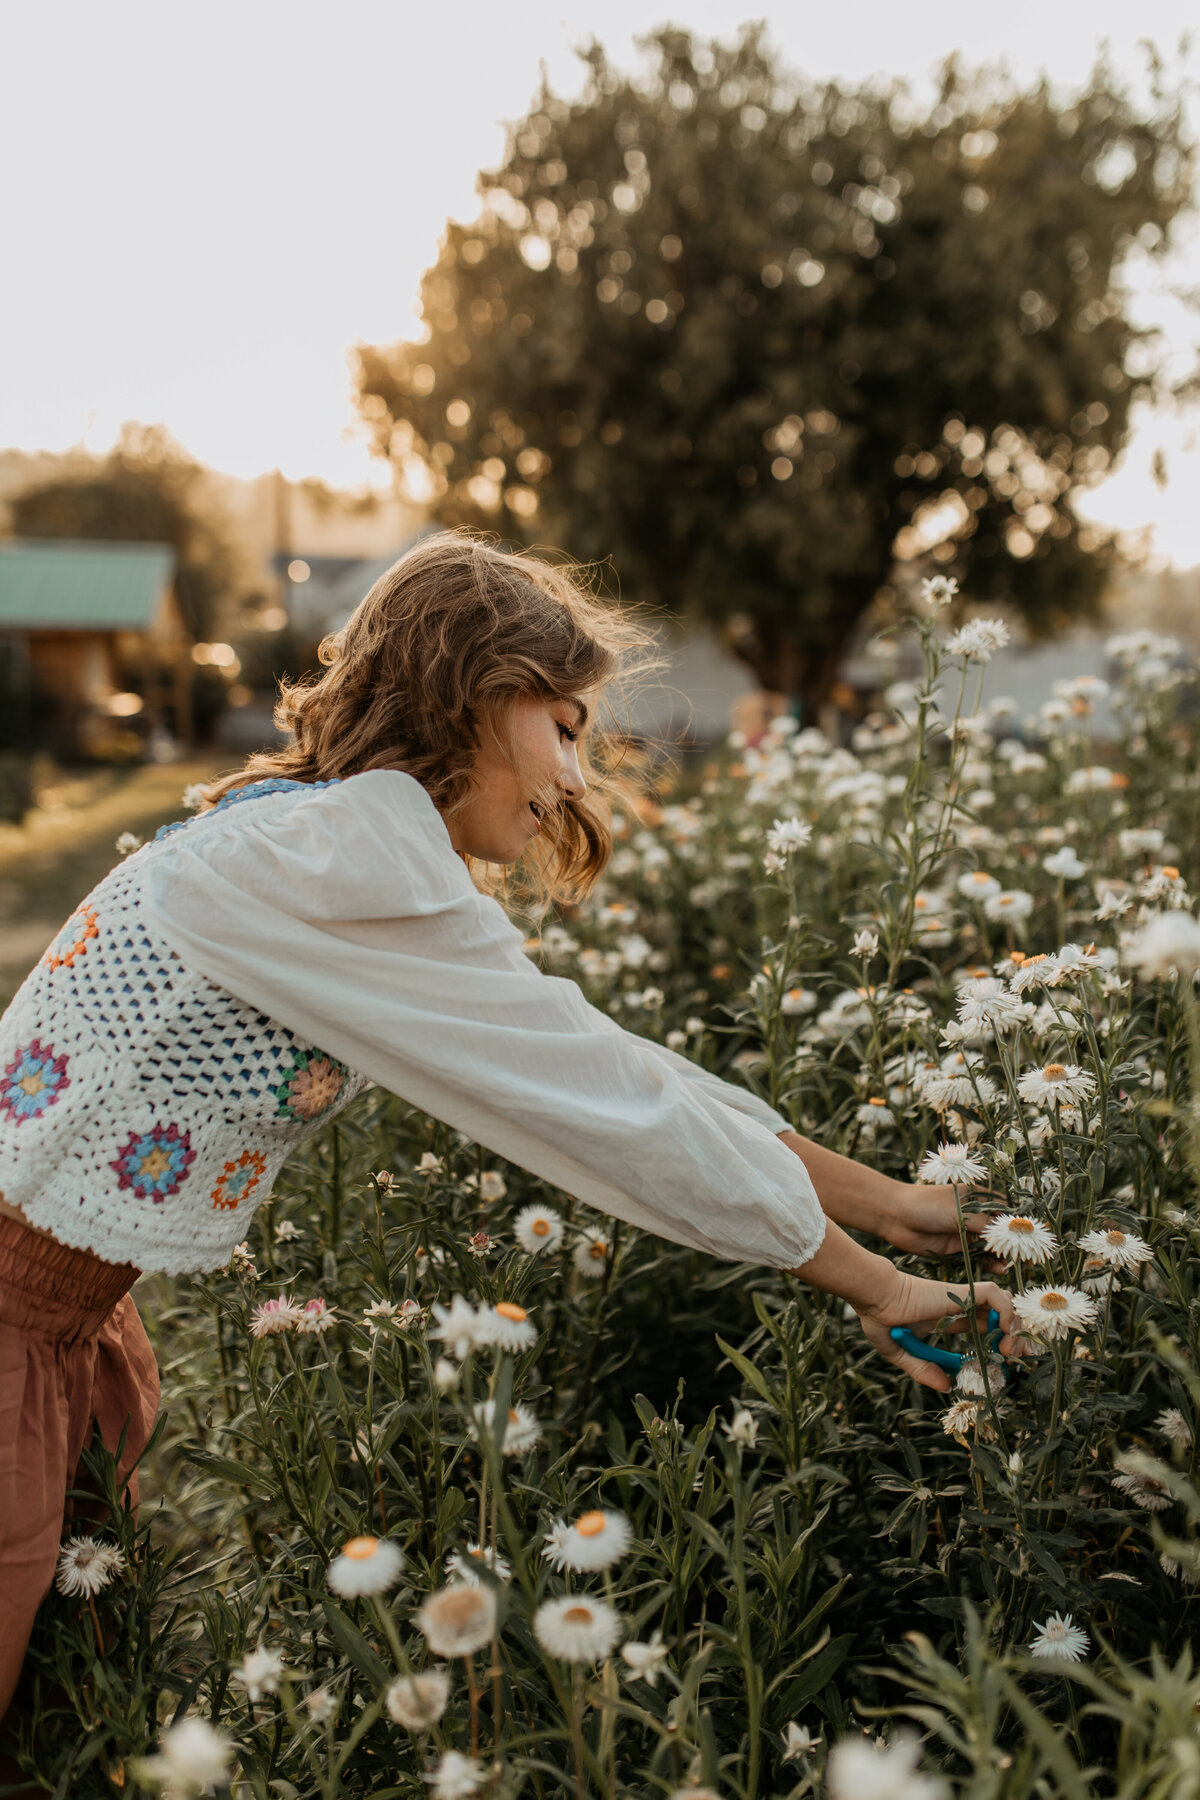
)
(316, 1317)
(270, 1317)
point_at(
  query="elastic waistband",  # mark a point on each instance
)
(52, 1289)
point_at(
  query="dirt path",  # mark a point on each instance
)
(68, 843)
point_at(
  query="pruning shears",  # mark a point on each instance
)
(950, 1360)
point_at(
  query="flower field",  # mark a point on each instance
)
(463, 1489)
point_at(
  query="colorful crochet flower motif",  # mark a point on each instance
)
(73, 939)
(310, 1085)
(240, 1178)
(155, 1163)
(32, 1081)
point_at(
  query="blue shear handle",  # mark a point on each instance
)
(945, 1359)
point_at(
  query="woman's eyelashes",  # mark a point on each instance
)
(571, 736)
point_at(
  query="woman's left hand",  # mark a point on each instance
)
(924, 1219)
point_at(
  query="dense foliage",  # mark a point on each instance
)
(768, 343)
(955, 940)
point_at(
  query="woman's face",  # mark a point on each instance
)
(500, 818)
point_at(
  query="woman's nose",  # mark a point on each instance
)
(571, 775)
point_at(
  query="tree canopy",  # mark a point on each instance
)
(779, 350)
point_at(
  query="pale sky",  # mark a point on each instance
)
(202, 207)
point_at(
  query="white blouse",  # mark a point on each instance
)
(344, 915)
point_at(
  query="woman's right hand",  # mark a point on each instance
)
(910, 1300)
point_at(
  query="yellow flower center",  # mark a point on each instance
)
(361, 1549)
(540, 1228)
(598, 1251)
(514, 1417)
(1114, 1237)
(578, 1615)
(1054, 1302)
(1170, 871)
(508, 1309)
(1053, 1072)
(31, 1084)
(590, 1524)
(978, 877)
(1021, 1225)
(876, 1101)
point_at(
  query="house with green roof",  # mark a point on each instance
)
(94, 634)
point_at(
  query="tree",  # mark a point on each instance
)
(146, 490)
(779, 350)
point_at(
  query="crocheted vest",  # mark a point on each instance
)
(145, 1112)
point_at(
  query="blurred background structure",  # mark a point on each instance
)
(767, 317)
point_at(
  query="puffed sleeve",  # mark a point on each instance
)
(346, 915)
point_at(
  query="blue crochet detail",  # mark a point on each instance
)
(273, 784)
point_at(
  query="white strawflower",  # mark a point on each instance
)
(1052, 1312)
(798, 1741)
(1033, 971)
(1144, 1489)
(192, 1756)
(788, 835)
(861, 1770)
(458, 1326)
(1119, 1249)
(645, 1660)
(978, 640)
(507, 1325)
(951, 1163)
(798, 1000)
(1060, 1639)
(321, 1704)
(459, 1619)
(521, 1431)
(1018, 1238)
(577, 1628)
(418, 1701)
(977, 1381)
(938, 590)
(86, 1566)
(978, 885)
(1010, 905)
(429, 1164)
(127, 843)
(961, 1417)
(1173, 1425)
(456, 1777)
(464, 1565)
(866, 943)
(260, 1672)
(192, 797)
(286, 1232)
(1056, 1082)
(379, 1314)
(596, 1540)
(743, 1428)
(590, 1255)
(988, 1006)
(446, 1375)
(1064, 862)
(1075, 959)
(1140, 840)
(492, 1185)
(538, 1229)
(367, 1565)
(1169, 943)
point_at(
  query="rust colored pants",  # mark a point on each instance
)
(72, 1350)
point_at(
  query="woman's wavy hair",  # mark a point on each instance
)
(427, 670)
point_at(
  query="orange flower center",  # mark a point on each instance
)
(514, 1417)
(978, 876)
(540, 1228)
(509, 1310)
(598, 1251)
(1021, 1226)
(1054, 1302)
(1114, 1237)
(590, 1524)
(1016, 957)
(361, 1549)
(876, 1101)
(1170, 871)
(1053, 1072)
(578, 1615)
